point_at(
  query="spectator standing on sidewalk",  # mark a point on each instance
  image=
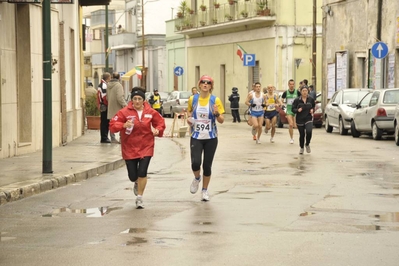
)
(155, 101)
(312, 92)
(138, 125)
(204, 109)
(303, 107)
(234, 99)
(115, 97)
(102, 103)
(194, 90)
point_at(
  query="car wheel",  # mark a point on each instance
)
(397, 135)
(376, 132)
(354, 131)
(329, 128)
(342, 130)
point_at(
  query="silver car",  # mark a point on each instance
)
(176, 103)
(339, 110)
(396, 124)
(375, 113)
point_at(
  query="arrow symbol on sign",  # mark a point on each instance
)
(379, 49)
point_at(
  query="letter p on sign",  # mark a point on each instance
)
(249, 60)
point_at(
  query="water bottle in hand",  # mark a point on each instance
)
(130, 129)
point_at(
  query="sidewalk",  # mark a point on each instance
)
(85, 157)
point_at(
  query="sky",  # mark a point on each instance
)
(156, 13)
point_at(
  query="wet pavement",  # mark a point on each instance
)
(269, 206)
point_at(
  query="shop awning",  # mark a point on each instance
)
(127, 76)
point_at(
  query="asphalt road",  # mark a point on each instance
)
(269, 206)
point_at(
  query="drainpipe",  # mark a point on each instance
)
(379, 20)
(314, 48)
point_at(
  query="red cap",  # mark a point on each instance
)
(206, 77)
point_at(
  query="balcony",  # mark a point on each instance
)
(120, 41)
(98, 60)
(238, 15)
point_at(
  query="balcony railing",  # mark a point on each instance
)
(99, 59)
(240, 10)
(123, 40)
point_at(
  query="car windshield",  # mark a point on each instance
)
(353, 97)
(391, 97)
(185, 95)
(164, 95)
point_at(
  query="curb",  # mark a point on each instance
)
(44, 185)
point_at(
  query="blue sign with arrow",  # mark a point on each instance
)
(178, 71)
(379, 50)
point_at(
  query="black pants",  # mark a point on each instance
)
(208, 146)
(236, 115)
(305, 131)
(104, 126)
(137, 168)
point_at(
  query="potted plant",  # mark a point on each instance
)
(92, 112)
(263, 9)
(202, 23)
(229, 17)
(244, 13)
(232, 2)
(203, 7)
(182, 8)
(190, 11)
(216, 4)
(215, 21)
(179, 14)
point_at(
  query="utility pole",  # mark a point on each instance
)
(144, 72)
(106, 39)
(47, 164)
(314, 44)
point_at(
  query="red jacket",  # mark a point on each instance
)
(140, 143)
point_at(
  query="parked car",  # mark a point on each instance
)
(339, 110)
(396, 124)
(176, 103)
(375, 114)
(317, 117)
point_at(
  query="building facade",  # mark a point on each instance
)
(278, 34)
(21, 75)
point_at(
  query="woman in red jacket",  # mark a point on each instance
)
(138, 123)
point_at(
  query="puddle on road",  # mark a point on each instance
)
(306, 213)
(203, 223)
(134, 231)
(91, 212)
(202, 233)
(136, 241)
(6, 238)
(373, 227)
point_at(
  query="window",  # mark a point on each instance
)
(96, 35)
(374, 98)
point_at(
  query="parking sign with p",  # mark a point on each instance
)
(249, 60)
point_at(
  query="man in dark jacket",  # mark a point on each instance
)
(234, 99)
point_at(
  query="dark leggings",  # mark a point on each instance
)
(208, 146)
(305, 129)
(137, 168)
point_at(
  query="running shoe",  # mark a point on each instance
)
(254, 137)
(308, 149)
(272, 140)
(254, 131)
(301, 151)
(139, 203)
(292, 141)
(194, 185)
(205, 195)
(266, 130)
(135, 188)
(258, 141)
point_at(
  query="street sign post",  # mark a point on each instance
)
(249, 60)
(379, 50)
(178, 71)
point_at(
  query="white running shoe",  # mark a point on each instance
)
(254, 131)
(292, 141)
(135, 189)
(272, 140)
(308, 149)
(266, 130)
(258, 141)
(301, 151)
(194, 185)
(139, 203)
(205, 195)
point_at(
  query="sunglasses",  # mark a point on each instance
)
(205, 82)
